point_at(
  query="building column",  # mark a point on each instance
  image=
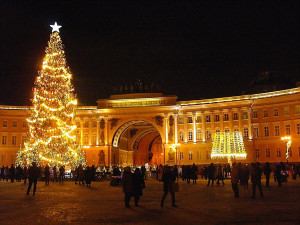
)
(81, 132)
(106, 131)
(240, 120)
(166, 128)
(203, 126)
(98, 130)
(90, 131)
(176, 127)
(230, 120)
(221, 121)
(249, 124)
(194, 128)
(212, 119)
(185, 128)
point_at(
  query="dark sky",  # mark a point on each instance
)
(192, 50)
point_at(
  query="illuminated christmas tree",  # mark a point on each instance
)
(52, 128)
(228, 145)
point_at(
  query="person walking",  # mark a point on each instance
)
(6, 173)
(168, 179)
(88, 176)
(235, 180)
(194, 173)
(47, 174)
(256, 180)
(12, 173)
(54, 170)
(246, 175)
(138, 185)
(210, 174)
(34, 174)
(220, 174)
(127, 185)
(61, 174)
(267, 172)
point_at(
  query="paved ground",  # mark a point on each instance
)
(102, 204)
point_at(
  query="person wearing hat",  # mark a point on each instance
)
(33, 173)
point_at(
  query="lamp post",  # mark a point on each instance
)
(288, 142)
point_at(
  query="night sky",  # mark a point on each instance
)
(192, 50)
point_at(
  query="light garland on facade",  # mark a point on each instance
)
(52, 137)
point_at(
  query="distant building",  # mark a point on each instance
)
(138, 128)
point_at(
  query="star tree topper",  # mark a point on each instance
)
(55, 27)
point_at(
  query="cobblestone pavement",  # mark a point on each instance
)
(198, 204)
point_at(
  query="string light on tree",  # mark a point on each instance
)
(52, 129)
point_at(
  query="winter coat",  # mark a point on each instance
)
(138, 184)
(234, 175)
(33, 172)
(168, 179)
(127, 182)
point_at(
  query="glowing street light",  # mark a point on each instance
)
(288, 141)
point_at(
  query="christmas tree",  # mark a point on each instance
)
(52, 128)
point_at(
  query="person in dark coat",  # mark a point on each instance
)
(33, 174)
(267, 172)
(88, 176)
(220, 174)
(256, 180)
(12, 172)
(61, 174)
(2, 172)
(18, 173)
(168, 179)
(240, 173)
(176, 172)
(235, 180)
(127, 185)
(25, 170)
(138, 185)
(143, 172)
(194, 173)
(205, 172)
(278, 175)
(54, 174)
(210, 174)
(246, 175)
(93, 172)
(47, 174)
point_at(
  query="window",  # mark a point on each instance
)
(190, 155)
(14, 123)
(3, 159)
(287, 129)
(266, 131)
(255, 131)
(278, 152)
(297, 111)
(198, 119)
(181, 155)
(298, 128)
(217, 130)
(286, 111)
(23, 139)
(276, 112)
(208, 135)
(180, 120)
(208, 118)
(86, 139)
(207, 154)
(4, 140)
(268, 153)
(265, 113)
(226, 117)
(190, 119)
(235, 116)
(199, 155)
(257, 153)
(181, 135)
(245, 115)
(277, 131)
(24, 124)
(290, 152)
(4, 123)
(86, 124)
(246, 133)
(198, 134)
(14, 140)
(226, 130)
(94, 142)
(94, 124)
(255, 114)
(190, 135)
(217, 118)
(236, 129)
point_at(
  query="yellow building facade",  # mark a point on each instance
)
(134, 129)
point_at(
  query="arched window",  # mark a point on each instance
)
(198, 134)
(190, 134)
(181, 135)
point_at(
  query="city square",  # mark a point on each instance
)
(68, 203)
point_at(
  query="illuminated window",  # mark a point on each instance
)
(226, 117)
(265, 113)
(190, 155)
(180, 120)
(257, 153)
(4, 140)
(24, 124)
(298, 128)
(14, 123)
(277, 131)
(255, 114)
(208, 118)
(181, 155)
(246, 133)
(266, 129)
(268, 154)
(245, 115)
(14, 140)
(297, 111)
(276, 112)
(235, 116)
(198, 119)
(198, 134)
(278, 152)
(287, 129)
(86, 139)
(208, 135)
(181, 135)
(207, 154)
(4, 123)
(255, 130)
(190, 135)
(94, 140)
(217, 118)
(286, 111)
(190, 119)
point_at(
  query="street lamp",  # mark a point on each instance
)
(288, 141)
